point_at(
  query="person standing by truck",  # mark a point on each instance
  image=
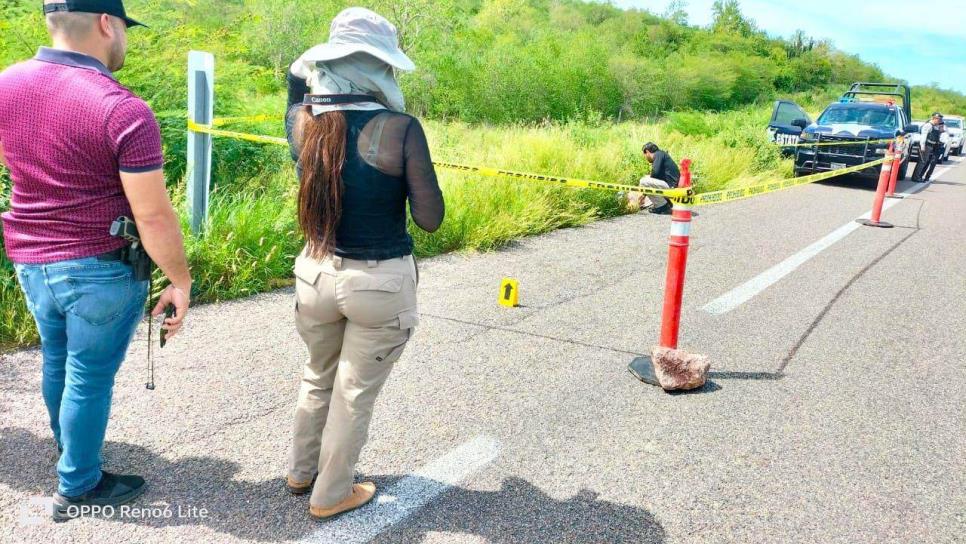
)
(931, 135)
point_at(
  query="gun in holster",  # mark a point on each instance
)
(134, 254)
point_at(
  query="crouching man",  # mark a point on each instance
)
(664, 175)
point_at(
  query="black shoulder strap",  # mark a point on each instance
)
(337, 99)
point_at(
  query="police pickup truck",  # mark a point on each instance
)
(957, 133)
(848, 133)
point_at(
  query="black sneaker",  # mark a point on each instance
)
(113, 490)
(663, 210)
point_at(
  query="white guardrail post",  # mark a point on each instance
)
(201, 107)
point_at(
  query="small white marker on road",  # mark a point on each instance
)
(408, 495)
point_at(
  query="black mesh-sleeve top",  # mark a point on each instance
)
(387, 163)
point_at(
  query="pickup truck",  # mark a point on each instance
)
(853, 122)
(954, 127)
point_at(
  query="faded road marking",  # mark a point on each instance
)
(408, 495)
(748, 290)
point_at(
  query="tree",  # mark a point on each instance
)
(280, 30)
(800, 43)
(729, 19)
(413, 17)
(677, 12)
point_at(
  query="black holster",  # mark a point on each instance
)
(139, 260)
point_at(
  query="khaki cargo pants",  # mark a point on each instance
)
(355, 318)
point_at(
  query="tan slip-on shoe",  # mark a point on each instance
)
(296, 487)
(361, 494)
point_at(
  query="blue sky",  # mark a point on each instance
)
(922, 41)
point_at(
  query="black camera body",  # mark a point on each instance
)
(134, 254)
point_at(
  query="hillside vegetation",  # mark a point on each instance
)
(560, 87)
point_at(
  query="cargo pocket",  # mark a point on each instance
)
(407, 321)
(307, 273)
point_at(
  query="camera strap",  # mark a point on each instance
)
(336, 99)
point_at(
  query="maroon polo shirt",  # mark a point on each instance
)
(68, 129)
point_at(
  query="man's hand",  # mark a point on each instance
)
(160, 233)
(180, 300)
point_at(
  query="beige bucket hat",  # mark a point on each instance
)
(359, 30)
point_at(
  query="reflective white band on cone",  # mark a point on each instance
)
(680, 228)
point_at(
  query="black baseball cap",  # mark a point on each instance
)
(110, 7)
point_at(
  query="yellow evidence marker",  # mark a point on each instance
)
(510, 293)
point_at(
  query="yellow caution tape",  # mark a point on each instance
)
(727, 195)
(682, 195)
(479, 170)
(206, 129)
(568, 182)
(221, 121)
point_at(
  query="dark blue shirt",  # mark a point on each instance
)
(665, 169)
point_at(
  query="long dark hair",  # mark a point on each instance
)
(323, 140)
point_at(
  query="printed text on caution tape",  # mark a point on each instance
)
(728, 195)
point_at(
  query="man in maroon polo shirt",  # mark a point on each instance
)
(82, 150)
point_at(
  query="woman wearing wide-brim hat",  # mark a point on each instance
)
(359, 160)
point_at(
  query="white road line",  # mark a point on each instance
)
(408, 495)
(748, 290)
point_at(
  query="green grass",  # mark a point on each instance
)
(16, 324)
(585, 66)
(252, 238)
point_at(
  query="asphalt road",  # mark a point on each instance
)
(835, 412)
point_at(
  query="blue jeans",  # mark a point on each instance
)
(86, 311)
